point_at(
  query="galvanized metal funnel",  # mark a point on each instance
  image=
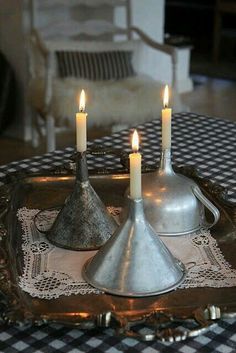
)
(134, 261)
(83, 222)
(173, 203)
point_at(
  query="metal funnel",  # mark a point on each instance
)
(83, 222)
(173, 203)
(134, 261)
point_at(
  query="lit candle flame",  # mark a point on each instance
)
(135, 141)
(82, 101)
(166, 97)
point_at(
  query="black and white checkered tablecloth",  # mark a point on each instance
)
(210, 145)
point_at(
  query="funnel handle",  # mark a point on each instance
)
(209, 205)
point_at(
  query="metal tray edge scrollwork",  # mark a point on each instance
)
(160, 316)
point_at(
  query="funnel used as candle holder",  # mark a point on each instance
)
(134, 261)
(174, 204)
(83, 222)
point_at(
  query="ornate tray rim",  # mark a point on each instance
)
(13, 310)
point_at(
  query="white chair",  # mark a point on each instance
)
(59, 47)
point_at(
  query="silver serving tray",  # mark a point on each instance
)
(192, 309)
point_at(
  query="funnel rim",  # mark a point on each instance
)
(185, 232)
(133, 294)
(67, 247)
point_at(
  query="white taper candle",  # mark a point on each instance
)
(166, 121)
(135, 169)
(81, 125)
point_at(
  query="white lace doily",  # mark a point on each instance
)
(50, 272)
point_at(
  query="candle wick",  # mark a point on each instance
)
(166, 106)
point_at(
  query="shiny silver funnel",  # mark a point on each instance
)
(173, 203)
(83, 222)
(134, 261)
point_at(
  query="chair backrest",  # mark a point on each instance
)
(90, 21)
(84, 19)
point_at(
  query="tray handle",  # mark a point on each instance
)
(164, 327)
(97, 150)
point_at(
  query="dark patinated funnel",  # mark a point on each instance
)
(83, 222)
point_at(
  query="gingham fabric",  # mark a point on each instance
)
(205, 142)
(210, 145)
(56, 338)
